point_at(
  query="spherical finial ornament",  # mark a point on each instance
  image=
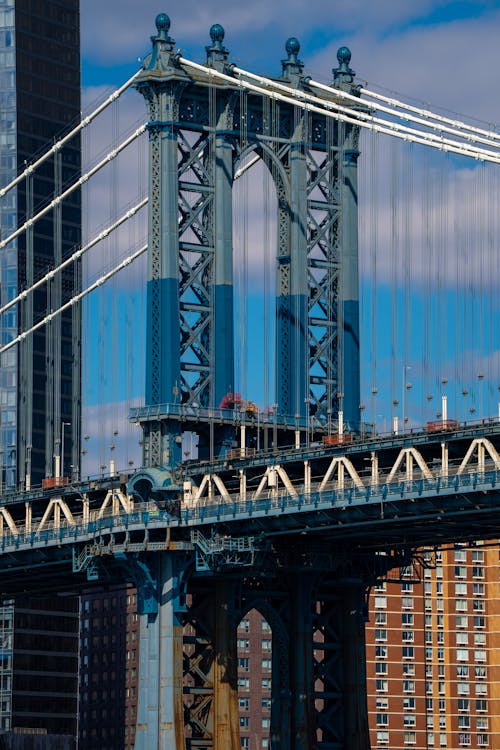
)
(162, 23)
(292, 46)
(217, 33)
(344, 56)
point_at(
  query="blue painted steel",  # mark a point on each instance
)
(159, 713)
(224, 346)
(351, 376)
(162, 340)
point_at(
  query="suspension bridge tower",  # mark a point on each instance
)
(204, 122)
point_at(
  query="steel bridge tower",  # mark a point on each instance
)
(201, 129)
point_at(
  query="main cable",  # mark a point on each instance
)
(62, 142)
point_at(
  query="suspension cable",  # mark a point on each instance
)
(425, 118)
(76, 255)
(62, 142)
(78, 183)
(101, 280)
(368, 117)
(301, 99)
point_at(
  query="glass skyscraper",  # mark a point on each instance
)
(40, 377)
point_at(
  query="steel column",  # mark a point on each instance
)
(160, 721)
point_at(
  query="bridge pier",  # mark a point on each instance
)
(160, 721)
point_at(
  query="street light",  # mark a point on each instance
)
(63, 425)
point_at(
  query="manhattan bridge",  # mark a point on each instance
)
(297, 507)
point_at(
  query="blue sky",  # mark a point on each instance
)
(445, 54)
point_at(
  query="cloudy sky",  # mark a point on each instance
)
(440, 52)
(444, 52)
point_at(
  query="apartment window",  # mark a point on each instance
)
(482, 740)
(408, 686)
(381, 652)
(439, 605)
(380, 602)
(406, 571)
(480, 655)
(440, 621)
(244, 683)
(428, 654)
(244, 743)
(428, 671)
(463, 688)
(463, 704)
(442, 722)
(266, 664)
(460, 589)
(381, 667)
(244, 625)
(461, 605)
(460, 571)
(409, 720)
(442, 704)
(427, 588)
(481, 722)
(266, 722)
(428, 636)
(382, 737)
(462, 670)
(265, 627)
(439, 588)
(462, 639)
(480, 672)
(243, 643)
(429, 704)
(243, 663)
(408, 652)
(441, 688)
(477, 571)
(460, 556)
(478, 605)
(244, 722)
(409, 703)
(440, 637)
(440, 653)
(481, 705)
(266, 703)
(429, 722)
(439, 571)
(408, 669)
(266, 645)
(381, 586)
(380, 634)
(382, 720)
(407, 587)
(382, 704)
(381, 686)
(461, 621)
(481, 688)
(442, 740)
(428, 688)
(428, 605)
(441, 671)
(407, 618)
(410, 738)
(464, 722)
(478, 589)
(480, 639)
(477, 555)
(407, 602)
(244, 703)
(266, 683)
(430, 738)
(464, 739)
(479, 621)
(380, 618)
(408, 636)
(428, 621)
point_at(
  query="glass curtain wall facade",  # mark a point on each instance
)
(39, 100)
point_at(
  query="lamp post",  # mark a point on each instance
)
(405, 387)
(63, 425)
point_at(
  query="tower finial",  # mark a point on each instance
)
(217, 54)
(292, 66)
(343, 74)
